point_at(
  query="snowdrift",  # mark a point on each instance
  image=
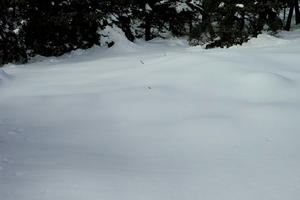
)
(157, 120)
(4, 76)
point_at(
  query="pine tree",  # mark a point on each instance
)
(177, 16)
(228, 22)
(55, 27)
(12, 47)
(121, 14)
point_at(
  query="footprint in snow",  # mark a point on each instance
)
(20, 173)
(5, 160)
(16, 131)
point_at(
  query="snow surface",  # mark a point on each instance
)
(154, 121)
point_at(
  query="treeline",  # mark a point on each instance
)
(54, 27)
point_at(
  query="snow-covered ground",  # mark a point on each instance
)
(154, 121)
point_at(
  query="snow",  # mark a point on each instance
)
(182, 7)
(117, 36)
(240, 5)
(4, 76)
(157, 120)
(221, 5)
(148, 7)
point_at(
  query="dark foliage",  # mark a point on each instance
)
(12, 47)
(54, 27)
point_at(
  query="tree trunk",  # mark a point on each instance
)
(190, 24)
(125, 26)
(147, 27)
(297, 11)
(289, 19)
(242, 25)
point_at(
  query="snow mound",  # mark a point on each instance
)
(110, 35)
(290, 35)
(267, 79)
(117, 36)
(4, 76)
(165, 122)
(265, 40)
(265, 86)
